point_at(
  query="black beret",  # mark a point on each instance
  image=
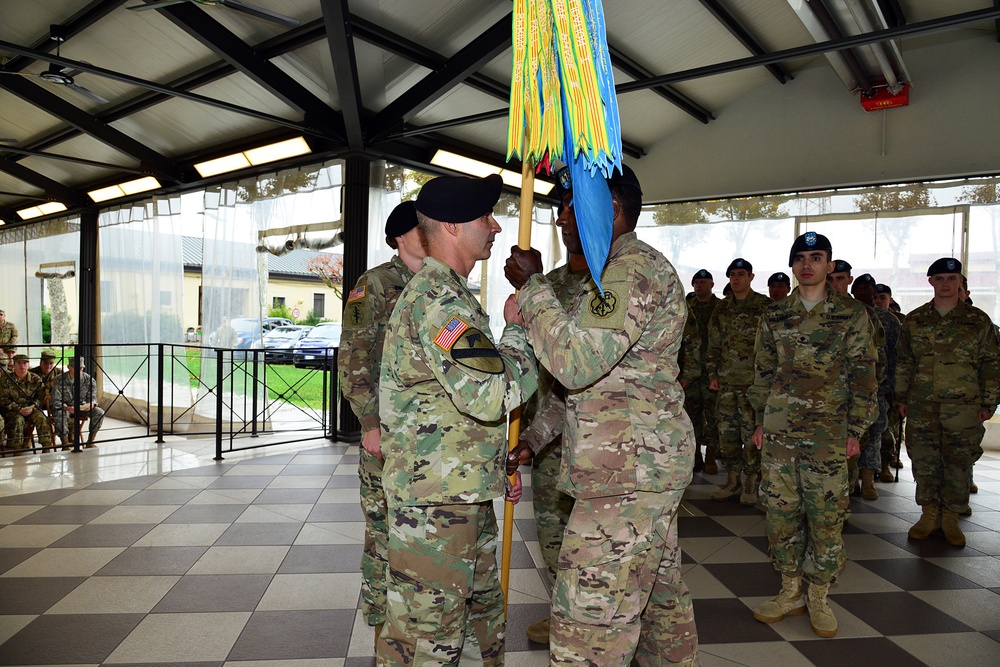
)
(402, 219)
(863, 279)
(739, 263)
(882, 288)
(702, 274)
(841, 266)
(625, 177)
(459, 198)
(808, 242)
(945, 265)
(779, 277)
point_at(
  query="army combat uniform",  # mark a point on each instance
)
(8, 343)
(544, 435)
(16, 395)
(444, 390)
(628, 449)
(814, 387)
(368, 308)
(699, 400)
(946, 373)
(63, 392)
(731, 333)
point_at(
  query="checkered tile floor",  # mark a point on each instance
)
(255, 563)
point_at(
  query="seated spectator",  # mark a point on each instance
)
(64, 400)
(21, 404)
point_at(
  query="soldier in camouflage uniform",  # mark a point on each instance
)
(627, 447)
(892, 437)
(814, 391)
(778, 286)
(948, 382)
(366, 313)
(64, 400)
(46, 369)
(731, 333)
(842, 281)
(871, 463)
(699, 400)
(20, 404)
(444, 391)
(8, 341)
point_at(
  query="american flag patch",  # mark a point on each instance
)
(357, 293)
(450, 332)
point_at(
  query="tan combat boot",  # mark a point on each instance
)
(821, 617)
(886, 474)
(711, 467)
(750, 490)
(731, 489)
(868, 490)
(539, 632)
(927, 524)
(789, 602)
(949, 526)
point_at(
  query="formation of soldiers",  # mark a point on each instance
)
(790, 392)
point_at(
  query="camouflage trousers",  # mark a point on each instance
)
(619, 591)
(805, 497)
(16, 423)
(699, 403)
(373, 558)
(892, 435)
(551, 506)
(737, 422)
(871, 446)
(943, 440)
(442, 579)
(64, 423)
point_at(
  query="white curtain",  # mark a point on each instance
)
(142, 301)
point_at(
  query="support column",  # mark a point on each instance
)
(357, 179)
(89, 282)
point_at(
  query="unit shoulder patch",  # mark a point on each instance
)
(474, 349)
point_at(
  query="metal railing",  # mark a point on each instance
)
(233, 395)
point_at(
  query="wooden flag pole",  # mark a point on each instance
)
(514, 430)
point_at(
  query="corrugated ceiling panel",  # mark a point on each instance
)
(82, 146)
(22, 121)
(310, 66)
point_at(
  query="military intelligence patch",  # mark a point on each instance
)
(475, 350)
(450, 332)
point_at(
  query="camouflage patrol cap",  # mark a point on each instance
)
(863, 279)
(2, 311)
(459, 198)
(808, 242)
(882, 288)
(703, 274)
(739, 263)
(945, 265)
(841, 266)
(402, 219)
(779, 277)
(20, 357)
(48, 355)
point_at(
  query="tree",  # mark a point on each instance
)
(330, 269)
(981, 194)
(740, 211)
(895, 230)
(676, 217)
(275, 186)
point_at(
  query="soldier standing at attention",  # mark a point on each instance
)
(368, 308)
(628, 446)
(892, 437)
(948, 384)
(814, 391)
(8, 341)
(699, 401)
(731, 333)
(444, 392)
(778, 286)
(20, 403)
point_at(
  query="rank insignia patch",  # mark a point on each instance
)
(450, 332)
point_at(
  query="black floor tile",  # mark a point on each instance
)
(308, 559)
(300, 469)
(34, 595)
(528, 529)
(701, 526)
(270, 459)
(259, 534)
(343, 482)
(519, 617)
(916, 574)
(11, 557)
(729, 621)
(294, 635)
(206, 514)
(288, 497)
(127, 484)
(153, 561)
(335, 512)
(726, 508)
(933, 547)
(68, 639)
(162, 497)
(217, 469)
(760, 542)
(898, 614)
(38, 497)
(104, 535)
(746, 579)
(866, 651)
(64, 514)
(214, 592)
(520, 557)
(360, 662)
(242, 482)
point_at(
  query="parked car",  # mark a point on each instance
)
(281, 341)
(318, 346)
(246, 332)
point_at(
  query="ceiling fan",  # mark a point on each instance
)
(59, 74)
(236, 5)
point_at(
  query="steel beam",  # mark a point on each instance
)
(893, 13)
(678, 99)
(735, 26)
(52, 188)
(345, 69)
(69, 158)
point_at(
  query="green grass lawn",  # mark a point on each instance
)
(299, 386)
